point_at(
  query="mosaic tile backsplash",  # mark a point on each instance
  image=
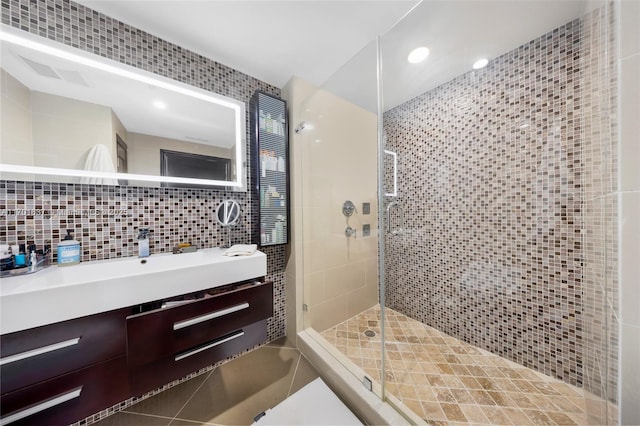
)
(106, 219)
(493, 182)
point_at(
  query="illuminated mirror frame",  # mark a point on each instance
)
(30, 41)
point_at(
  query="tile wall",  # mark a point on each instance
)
(494, 177)
(105, 218)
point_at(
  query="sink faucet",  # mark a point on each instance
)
(143, 242)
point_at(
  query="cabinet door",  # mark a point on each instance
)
(270, 157)
(166, 332)
(41, 353)
(164, 370)
(68, 398)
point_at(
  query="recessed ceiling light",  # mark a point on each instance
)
(480, 63)
(160, 105)
(418, 54)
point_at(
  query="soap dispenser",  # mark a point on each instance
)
(68, 250)
(143, 242)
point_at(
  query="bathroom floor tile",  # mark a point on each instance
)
(133, 419)
(239, 390)
(305, 374)
(169, 402)
(445, 380)
(232, 394)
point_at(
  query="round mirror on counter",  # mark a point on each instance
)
(227, 215)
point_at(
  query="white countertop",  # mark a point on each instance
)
(62, 293)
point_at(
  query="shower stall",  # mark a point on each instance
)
(458, 247)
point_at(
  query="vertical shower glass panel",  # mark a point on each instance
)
(497, 240)
(338, 136)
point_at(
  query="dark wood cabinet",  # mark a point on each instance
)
(38, 354)
(159, 333)
(69, 397)
(63, 372)
(156, 373)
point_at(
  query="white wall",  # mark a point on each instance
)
(64, 130)
(144, 152)
(629, 212)
(334, 160)
(15, 131)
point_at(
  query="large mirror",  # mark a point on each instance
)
(69, 116)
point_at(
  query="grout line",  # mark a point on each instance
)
(293, 378)
(145, 414)
(193, 394)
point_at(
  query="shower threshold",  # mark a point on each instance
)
(445, 381)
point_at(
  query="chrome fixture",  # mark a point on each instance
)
(299, 128)
(227, 215)
(348, 208)
(398, 229)
(350, 232)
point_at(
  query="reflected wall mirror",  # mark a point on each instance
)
(71, 116)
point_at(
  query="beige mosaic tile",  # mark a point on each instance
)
(447, 381)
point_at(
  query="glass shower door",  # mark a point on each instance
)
(337, 133)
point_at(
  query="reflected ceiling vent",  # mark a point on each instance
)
(73, 77)
(70, 76)
(193, 138)
(41, 69)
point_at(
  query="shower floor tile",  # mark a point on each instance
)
(447, 381)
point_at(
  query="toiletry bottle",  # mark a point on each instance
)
(33, 261)
(143, 242)
(20, 258)
(68, 250)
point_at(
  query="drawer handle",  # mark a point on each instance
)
(56, 400)
(184, 355)
(210, 316)
(39, 351)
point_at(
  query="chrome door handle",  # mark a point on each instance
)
(399, 230)
(52, 402)
(187, 354)
(39, 351)
(209, 316)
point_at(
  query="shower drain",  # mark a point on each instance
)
(370, 333)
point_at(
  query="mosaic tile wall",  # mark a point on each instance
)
(106, 219)
(492, 178)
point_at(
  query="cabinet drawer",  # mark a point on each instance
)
(165, 332)
(41, 353)
(68, 398)
(162, 371)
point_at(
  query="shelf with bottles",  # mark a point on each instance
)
(270, 161)
(274, 233)
(268, 124)
(271, 198)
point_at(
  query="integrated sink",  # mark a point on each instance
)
(62, 293)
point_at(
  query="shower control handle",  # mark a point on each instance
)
(348, 208)
(350, 232)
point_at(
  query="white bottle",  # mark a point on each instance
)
(33, 261)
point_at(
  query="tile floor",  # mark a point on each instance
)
(232, 394)
(446, 381)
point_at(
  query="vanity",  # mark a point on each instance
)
(76, 340)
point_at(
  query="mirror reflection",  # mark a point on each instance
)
(78, 119)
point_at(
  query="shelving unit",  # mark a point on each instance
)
(269, 137)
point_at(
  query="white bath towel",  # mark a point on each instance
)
(241, 250)
(99, 160)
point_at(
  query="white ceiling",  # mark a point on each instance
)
(457, 33)
(270, 40)
(330, 42)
